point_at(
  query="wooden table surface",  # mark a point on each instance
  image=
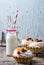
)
(4, 60)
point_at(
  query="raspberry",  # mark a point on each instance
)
(39, 41)
(18, 52)
(23, 50)
(29, 39)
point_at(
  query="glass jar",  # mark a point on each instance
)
(11, 42)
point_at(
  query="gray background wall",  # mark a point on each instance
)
(30, 20)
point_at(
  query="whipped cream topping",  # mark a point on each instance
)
(28, 53)
(36, 44)
(15, 53)
(25, 42)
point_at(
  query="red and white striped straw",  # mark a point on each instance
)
(16, 16)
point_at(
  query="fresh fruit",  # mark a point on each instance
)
(39, 41)
(18, 52)
(29, 39)
(18, 49)
(34, 40)
(23, 49)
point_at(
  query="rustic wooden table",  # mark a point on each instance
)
(4, 60)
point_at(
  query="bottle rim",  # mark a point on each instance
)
(11, 30)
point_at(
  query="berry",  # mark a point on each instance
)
(36, 39)
(18, 52)
(39, 41)
(29, 39)
(23, 50)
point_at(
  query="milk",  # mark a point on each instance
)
(11, 43)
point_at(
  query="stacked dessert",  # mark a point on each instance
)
(22, 55)
(36, 46)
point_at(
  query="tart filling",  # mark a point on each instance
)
(36, 47)
(36, 44)
(26, 41)
(22, 52)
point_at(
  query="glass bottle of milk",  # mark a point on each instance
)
(11, 42)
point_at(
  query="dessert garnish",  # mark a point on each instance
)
(23, 50)
(39, 41)
(29, 39)
(18, 49)
(18, 52)
(35, 40)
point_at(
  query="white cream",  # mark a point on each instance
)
(15, 53)
(28, 53)
(25, 42)
(36, 44)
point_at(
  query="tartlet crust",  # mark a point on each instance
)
(23, 59)
(36, 49)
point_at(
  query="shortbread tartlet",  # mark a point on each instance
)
(22, 55)
(37, 46)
